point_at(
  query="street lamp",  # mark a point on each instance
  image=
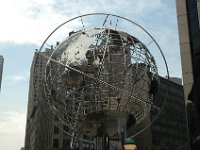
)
(129, 144)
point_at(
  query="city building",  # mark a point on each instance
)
(44, 131)
(188, 14)
(38, 124)
(170, 129)
(1, 69)
(176, 80)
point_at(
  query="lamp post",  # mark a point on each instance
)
(129, 144)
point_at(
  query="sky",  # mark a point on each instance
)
(26, 23)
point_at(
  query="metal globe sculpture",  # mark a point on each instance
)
(101, 80)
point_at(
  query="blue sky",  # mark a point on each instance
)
(26, 23)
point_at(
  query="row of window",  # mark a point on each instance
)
(66, 144)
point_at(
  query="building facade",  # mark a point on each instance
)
(188, 14)
(44, 131)
(38, 124)
(170, 129)
(1, 69)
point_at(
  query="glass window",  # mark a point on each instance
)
(66, 143)
(56, 130)
(55, 143)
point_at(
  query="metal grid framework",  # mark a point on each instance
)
(97, 77)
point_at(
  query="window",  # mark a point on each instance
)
(66, 143)
(55, 143)
(65, 128)
(56, 130)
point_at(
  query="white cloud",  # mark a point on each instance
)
(26, 20)
(12, 130)
(32, 20)
(18, 77)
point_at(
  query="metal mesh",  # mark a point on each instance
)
(96, 76)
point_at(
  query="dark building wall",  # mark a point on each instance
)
(193, 24)
(170, 129)
(194, 32)
(191, 15)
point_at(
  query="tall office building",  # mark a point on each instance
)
(188, 14)
(38, 125)
(170, 129)
(44, 131)
(1, 69)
